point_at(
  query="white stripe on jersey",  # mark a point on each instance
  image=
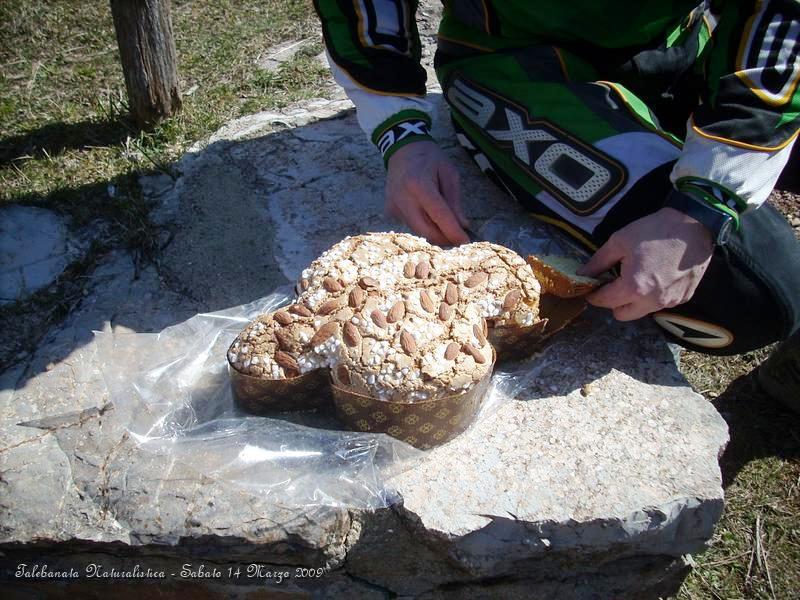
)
(773, 54)
(391, 19)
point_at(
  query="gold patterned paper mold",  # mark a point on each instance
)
(267, 396)
(395, 320)
(424, 424)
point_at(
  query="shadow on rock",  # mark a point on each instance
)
(589, 349)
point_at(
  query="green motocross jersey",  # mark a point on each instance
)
(747, 57)
(601, 24)
(378, 43)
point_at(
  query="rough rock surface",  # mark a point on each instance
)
(594, 484)
(281, 54)
(35, 247)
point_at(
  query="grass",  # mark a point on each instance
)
(755, 551)
(64, 138)
(62, 107)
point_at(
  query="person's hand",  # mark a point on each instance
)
(663, 257)
(422, 190)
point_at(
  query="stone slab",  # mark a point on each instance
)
(35, 247)
(604, 472)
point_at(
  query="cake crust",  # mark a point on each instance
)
(394, 317)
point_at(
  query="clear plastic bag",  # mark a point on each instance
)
(529, 237)
(172, 392)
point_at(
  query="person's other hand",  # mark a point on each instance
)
(422, 190)
(663, 257)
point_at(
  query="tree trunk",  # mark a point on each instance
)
(147, 52)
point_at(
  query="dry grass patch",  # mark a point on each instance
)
(755, 551)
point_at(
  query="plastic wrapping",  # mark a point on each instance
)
(529, 237)
(172, 392)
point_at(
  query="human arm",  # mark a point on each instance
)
(423, 190)
(374, 52)
(737, 143)
(662, 259)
